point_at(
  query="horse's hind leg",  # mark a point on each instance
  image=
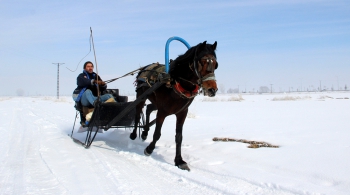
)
(149, 109)
(180, 120)
(139, 107)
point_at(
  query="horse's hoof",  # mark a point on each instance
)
(184, 167)
(147, 153)
(143, 137)
(133, 136)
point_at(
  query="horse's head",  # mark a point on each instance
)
(204, 66)
(202, 63)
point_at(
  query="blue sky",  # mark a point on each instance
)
(290, 44)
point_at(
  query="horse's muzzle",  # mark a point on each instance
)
(209, 85)
(212, 92)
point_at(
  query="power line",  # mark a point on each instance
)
(58, 79)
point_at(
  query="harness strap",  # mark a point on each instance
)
(208, 77)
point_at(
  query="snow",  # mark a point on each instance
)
(312, 129)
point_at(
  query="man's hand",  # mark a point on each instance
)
(99, 82)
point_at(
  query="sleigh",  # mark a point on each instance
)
(120, 114)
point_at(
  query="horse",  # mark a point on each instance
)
(190, 73)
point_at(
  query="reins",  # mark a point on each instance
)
(188, 81)
(196, 69)
(127, 74)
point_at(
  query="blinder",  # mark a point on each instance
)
(210, 68)
(210, 61)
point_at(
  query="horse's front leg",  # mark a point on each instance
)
(156, 135)
(180, 120)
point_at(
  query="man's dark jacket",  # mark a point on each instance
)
(86, 79)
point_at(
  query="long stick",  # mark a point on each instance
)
(93, 47)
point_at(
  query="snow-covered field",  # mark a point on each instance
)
(312, 130)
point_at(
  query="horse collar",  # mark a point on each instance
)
(183, 92)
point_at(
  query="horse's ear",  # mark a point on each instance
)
(214, 45)
(203, 45)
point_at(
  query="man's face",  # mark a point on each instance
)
(89, 68)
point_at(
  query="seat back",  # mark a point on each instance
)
(115, 93)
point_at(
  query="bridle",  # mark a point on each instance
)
(196, 67)
(210, 68)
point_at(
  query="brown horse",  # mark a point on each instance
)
(189, 73)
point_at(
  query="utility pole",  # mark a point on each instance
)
(271, 87)
(58, 78)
